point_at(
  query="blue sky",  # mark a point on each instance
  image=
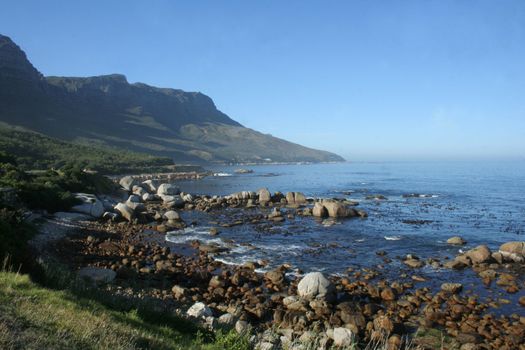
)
(370, 80)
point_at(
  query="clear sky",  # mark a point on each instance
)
(370, 80)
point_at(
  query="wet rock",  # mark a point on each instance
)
(414, 263)
(214, 231)
(514, 251)
(478, 255)
(319, 210)
(342, 337)
(168, 190)
(127, 183)
(199, 310)
(335, 209)
(295, 198)
(456, 240)
(97, 275)
(276, 276)
(264, 195)
(315, 285)
(521, 301)
(388, 294)
(171, 215)
(453, 288)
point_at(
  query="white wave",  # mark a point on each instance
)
(393, 238)
(360, 240)
(222, 174)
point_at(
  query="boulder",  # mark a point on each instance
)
(171, 215)
(456, 240)
(479, 255)
(125, 211)
(173, 201)
(264, 195)
(514, 251)
(90, 205)
(343, 337)
(199, 310)
(295, 198)
(319, 210)
(127, 183)
(167, 190)
(315, 285)
(97, 275)
(134, 199)
(336, 209)
(139, 191)
(226, 319)
(242, 327)
(148, 197)
(151, 185)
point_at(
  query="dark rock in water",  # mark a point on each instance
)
(375, 197)
(243, 171)
(417, 222)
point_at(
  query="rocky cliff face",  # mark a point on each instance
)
(107, 109)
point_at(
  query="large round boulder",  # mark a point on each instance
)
(168, 190)
(315, 285)
(479, 255)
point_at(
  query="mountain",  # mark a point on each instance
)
(108, 110)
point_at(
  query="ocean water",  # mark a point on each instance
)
(483, 202)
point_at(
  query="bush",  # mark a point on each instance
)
(14, 234)
(52, 190)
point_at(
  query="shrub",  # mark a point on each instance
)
(14, 234)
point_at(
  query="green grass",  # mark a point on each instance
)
(34, 317)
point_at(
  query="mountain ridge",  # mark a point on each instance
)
(107, 109)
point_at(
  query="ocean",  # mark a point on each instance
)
(426, 203)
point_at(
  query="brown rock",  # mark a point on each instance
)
(479, 255)
(453, 288)
(388, 294)
(456, 240)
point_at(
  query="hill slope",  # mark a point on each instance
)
(107, 109)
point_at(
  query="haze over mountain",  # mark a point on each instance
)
(108, 110)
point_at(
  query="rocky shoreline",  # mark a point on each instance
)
(123, 247)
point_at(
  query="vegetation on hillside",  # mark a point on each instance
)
(35, 151)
